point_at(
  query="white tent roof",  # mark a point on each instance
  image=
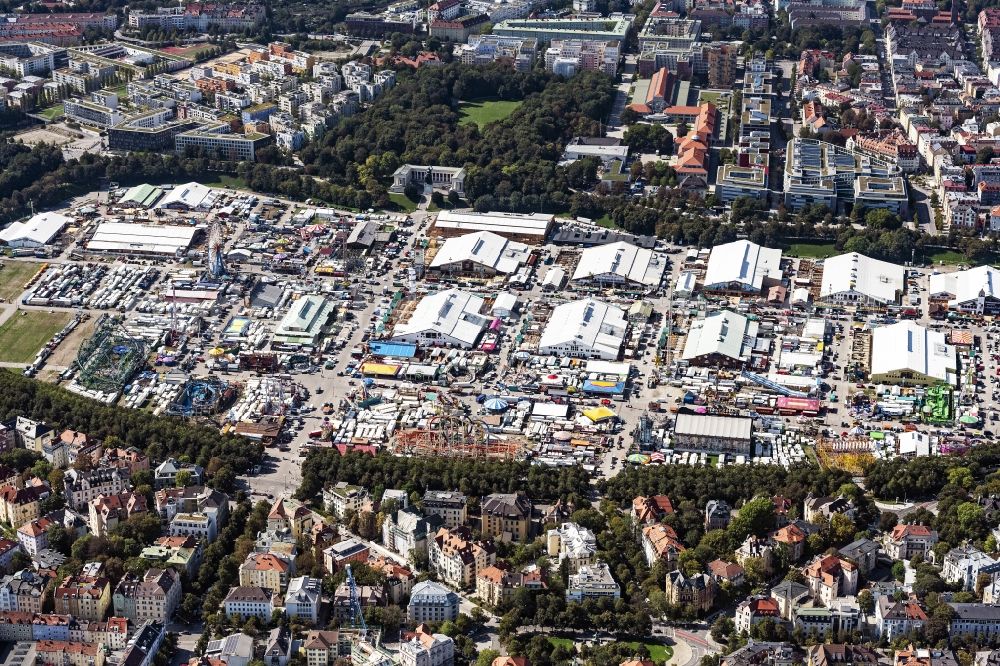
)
(125, 237)
(589, 323)
(40, 229)
(743, 262)
(191, 195)
(485, 248)
(964, 286)
(629, 262)
(878, 280)
(907, 345)
(452, 313)
(726, 333)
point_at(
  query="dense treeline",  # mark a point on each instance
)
(925, 477)
(512, 162)
(160, 437)
(733, 484)
(474, 477)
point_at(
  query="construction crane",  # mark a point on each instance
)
(357, 616)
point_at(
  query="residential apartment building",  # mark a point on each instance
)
(456, 558)
(406, 531)
(303, 598)
(342, 498)
(431, 602)
(81, 487)
(450, 506)
(342, 553)
(199, 525)
(155, 596)
(323, 648)
(23, 591)
(20, 505)
(829, 577)
(592, 581)
(567, 57)
(573, 543)
(905, 541)
(85, 597)
(507, 517)
(962, 565)
(484, 49)
(246, 602)
(897, 618)
(69, 653)
(109, 511)
(426, 649)
(267, 570)
(660, 543)
(697, 591)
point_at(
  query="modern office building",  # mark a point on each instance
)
(217, 141)
(817, 172)
(550, 29)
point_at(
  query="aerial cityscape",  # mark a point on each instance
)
(500, 333)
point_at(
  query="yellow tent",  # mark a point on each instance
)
(598, 414)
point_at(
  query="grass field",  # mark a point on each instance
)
(13, 275)
(605, 221)
(562, 642)
(52, 112)
(483, 112)
(947, 257)
(24, 333)
(661, 654)
(402, 202)
(224, 180)
(812, 250)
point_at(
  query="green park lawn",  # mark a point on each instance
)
(402, 202)
(659, 653)
(812, 250)
(13, 275)
(605, 221)
(947, 257)
(52, 112)
(24, 333)
(485, 111)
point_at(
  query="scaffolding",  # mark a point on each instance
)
(109, 359)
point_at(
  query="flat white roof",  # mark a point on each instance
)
(908, 346)
(304, 317)
(156, 238)
(964, 286)
(726, 333)
(191, 195)
(711, 425)
(627, 262)
(742, 262)
(588, 323)
(40, 229)
(531, 224)
(876, 279)
(686, 282)
(484, 248)
(451, 313)
(505, 300)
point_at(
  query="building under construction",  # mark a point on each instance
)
(110, 358)
(456, 435)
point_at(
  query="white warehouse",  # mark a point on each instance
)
(856, 279)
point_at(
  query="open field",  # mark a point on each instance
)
(947, 257)
(658, 652)
(224, 181)
(484, 112)
(403, 204)
(67, 350)
(13, 275)
(25, 332)
(37, 135)
(812, 250)
(52, 112)
(605, 221)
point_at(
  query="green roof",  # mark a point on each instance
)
(143, 195)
